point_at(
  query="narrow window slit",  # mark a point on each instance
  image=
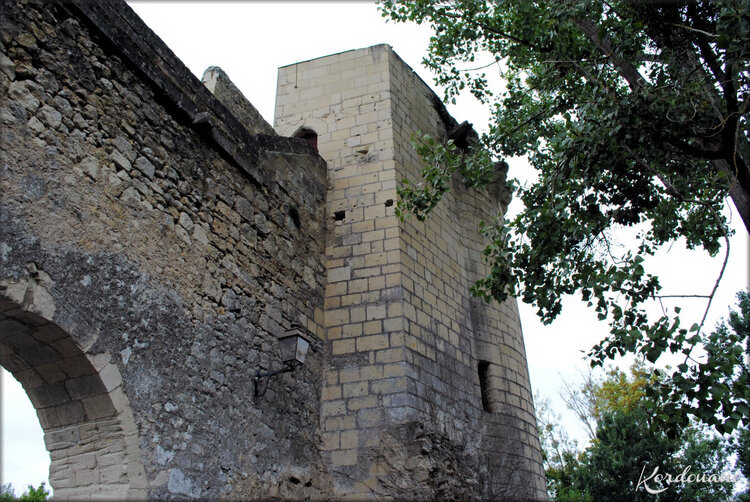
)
(484, 367)
(294, 215)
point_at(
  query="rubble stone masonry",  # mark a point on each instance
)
(157, 237)
(151, 252)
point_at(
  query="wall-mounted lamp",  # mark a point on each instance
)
(294, 347)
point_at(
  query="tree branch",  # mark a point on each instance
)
(682, 296)
(694, 150)
(624, 68)
(710, 58)
(690, 28)
(479, 67)
(671, 190)
(491, 29)
(721, 272)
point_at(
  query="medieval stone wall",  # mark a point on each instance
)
(157, 237)
(151, 252)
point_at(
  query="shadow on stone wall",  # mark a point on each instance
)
(86, 417)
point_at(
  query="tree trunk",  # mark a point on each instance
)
(738, 190)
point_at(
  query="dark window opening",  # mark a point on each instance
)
(339, 215)
(310, 136)
(484, 367)
(294, 215)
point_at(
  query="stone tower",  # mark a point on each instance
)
(157, 238)
(427, 391)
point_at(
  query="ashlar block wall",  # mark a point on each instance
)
(427, 391)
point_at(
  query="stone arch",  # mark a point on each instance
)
(308, 135)
(318, 126)
(88, 425)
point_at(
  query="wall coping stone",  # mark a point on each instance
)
(139, 46)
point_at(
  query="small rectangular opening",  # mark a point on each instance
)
(484, 367)
(339, 215)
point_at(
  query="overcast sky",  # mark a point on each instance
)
(250, 40)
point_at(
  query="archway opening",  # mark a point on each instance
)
(308, 135)
(84, 432)
(25, 459)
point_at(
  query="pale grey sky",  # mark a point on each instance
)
(250, 40)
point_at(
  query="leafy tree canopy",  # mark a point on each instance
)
(742, 449)
(630, 446)
(560, 453)
(634, 116)
(714, 388)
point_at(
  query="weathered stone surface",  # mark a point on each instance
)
(50, 116)
(146, 167)
(19, 92)
(121, 161)
(129, 320)
(90, 166)
(7, 66)
(408, 343)
(225, 91)
(157, 239)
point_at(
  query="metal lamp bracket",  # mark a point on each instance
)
(259, 379)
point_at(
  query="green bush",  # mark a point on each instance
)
(7, 494)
